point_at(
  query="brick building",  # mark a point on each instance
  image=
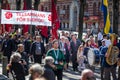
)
(117, 15)
(68, 11)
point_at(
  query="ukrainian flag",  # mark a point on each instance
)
(107, 26)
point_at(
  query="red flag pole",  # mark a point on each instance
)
(6, 6)
(25, 27)
(43, 29)
(55, 21)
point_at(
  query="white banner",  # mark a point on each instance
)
(29, 17)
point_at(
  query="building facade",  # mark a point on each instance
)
(68, 11)
(111, 11)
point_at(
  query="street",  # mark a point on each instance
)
(69, 74)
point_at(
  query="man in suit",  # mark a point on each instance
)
(74, 44)
(37, 49)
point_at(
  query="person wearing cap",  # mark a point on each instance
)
(107, 40)
(103, 49)
(48, 68)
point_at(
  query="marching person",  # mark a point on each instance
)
(23, 54)
(119, 67)
(67, 50)
(110, 60)
(16, 66)
(64, 48)
(118, 45)
(27, 43)
(24, 57)
(103, 49)
(59, 59)
(99, 38)
(88, 47)
(7, 47)
(74, 44)
(87, 74)
(37, 49)
(93, 44)
(35, 71)
(48, 68)
(49, 44)
(80, 58)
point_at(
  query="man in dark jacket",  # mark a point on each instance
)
(37, 50)
(7, 47)
(49, 73)
(74, 44)
(27, 43)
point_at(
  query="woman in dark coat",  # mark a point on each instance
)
(17, 67)
(48, 68)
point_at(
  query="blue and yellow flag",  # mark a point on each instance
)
(107, 26)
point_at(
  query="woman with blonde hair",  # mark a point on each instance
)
(80, 58)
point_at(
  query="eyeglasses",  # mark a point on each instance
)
(91, 78)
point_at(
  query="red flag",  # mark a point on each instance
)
(25, 27)
(44, 29)
(55, 21)
(6, 6)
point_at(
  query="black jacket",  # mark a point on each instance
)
(7, 47)
(33, 48)
(18, 70)
(48, 73)
(27, 44)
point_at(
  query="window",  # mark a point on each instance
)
(63, 7)
(67, 25)
(64, 25)
(67, 7)
(94, 9)
(86, 7)
(46, 9)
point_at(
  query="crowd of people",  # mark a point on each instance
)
(58, 53)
